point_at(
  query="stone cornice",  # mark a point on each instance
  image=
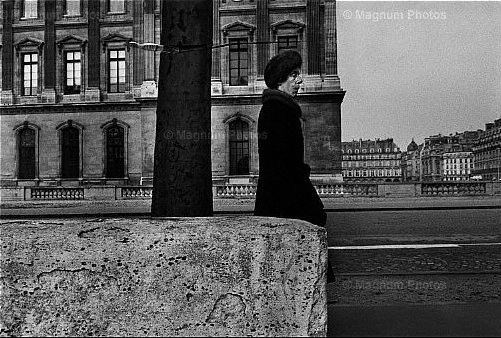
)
(219, 100)
(68, 108)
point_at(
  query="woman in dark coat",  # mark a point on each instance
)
(284, 187)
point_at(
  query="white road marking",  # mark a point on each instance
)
(408, 246)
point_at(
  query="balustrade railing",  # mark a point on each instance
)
(248, 190)
(57, 193)
(347, 189)
(137, 192)
(453, 189)
(236, 190)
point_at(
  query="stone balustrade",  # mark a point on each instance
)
(248, 190)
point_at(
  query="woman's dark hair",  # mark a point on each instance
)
(280, 66)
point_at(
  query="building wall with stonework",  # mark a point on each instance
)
(371, 161)
(487, 152)
(68, 66)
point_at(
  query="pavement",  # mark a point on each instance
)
(358, 306)
(34, 208)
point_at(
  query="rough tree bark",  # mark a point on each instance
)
(182, 183)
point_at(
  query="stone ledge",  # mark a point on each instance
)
(215, 276)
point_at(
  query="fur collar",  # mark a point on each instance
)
(282, 97)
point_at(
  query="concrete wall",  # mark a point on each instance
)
(216, 276)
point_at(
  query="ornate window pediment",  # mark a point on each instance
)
(288, 25)
(239, 116)
(69, 124)
(29, 43)
(71, 40)
(116, 39)
(115, 122)
(239, 28)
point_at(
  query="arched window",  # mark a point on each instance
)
(70, 163)
(239, 147)
(115, 152)
(27, 157)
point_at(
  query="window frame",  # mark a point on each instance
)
(240, 147)
(113, 42)
(66, 90)
(287, 45)
(239, 67)
(33, 89)
(60, 129)
(79, 6)
(116, 60)
(125, 128)
(71, 43)
(17, 130)
(109, 10)
(24, 9)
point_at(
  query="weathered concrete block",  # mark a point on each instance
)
(215, 276)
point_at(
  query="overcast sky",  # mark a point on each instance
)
(415, 69)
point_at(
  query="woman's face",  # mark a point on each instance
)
(293, 83)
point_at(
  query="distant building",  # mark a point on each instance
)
(487, 152)
(457, 166)
(448, 154)
(371, 161)
(411, 162)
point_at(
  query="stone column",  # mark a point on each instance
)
(92, 92)
(216, 83)
(148, 85)
(263, 26)
(7, 53)
(330, 45)
(49, 91)
(313, 35)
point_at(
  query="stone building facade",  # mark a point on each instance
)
(78, 99)
(448, 157)
(487, 152)
(371, 161)
(411, 162)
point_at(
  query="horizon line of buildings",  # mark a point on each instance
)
(470, 155)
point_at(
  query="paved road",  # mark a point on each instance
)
(414, 226)
(417, 321)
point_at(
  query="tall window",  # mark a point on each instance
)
(71, 153)
(239, 54)
(73, 72)
(26, 154)
(116, 71)
(287, 42)
(239, 147)
(30, 73)
(116, 6)
(115, 152)
(30, 9)
(73, 7)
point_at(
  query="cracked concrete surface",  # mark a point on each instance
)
(215, 276)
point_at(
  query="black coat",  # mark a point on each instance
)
(284, 187)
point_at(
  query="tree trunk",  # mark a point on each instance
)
(182, 183)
